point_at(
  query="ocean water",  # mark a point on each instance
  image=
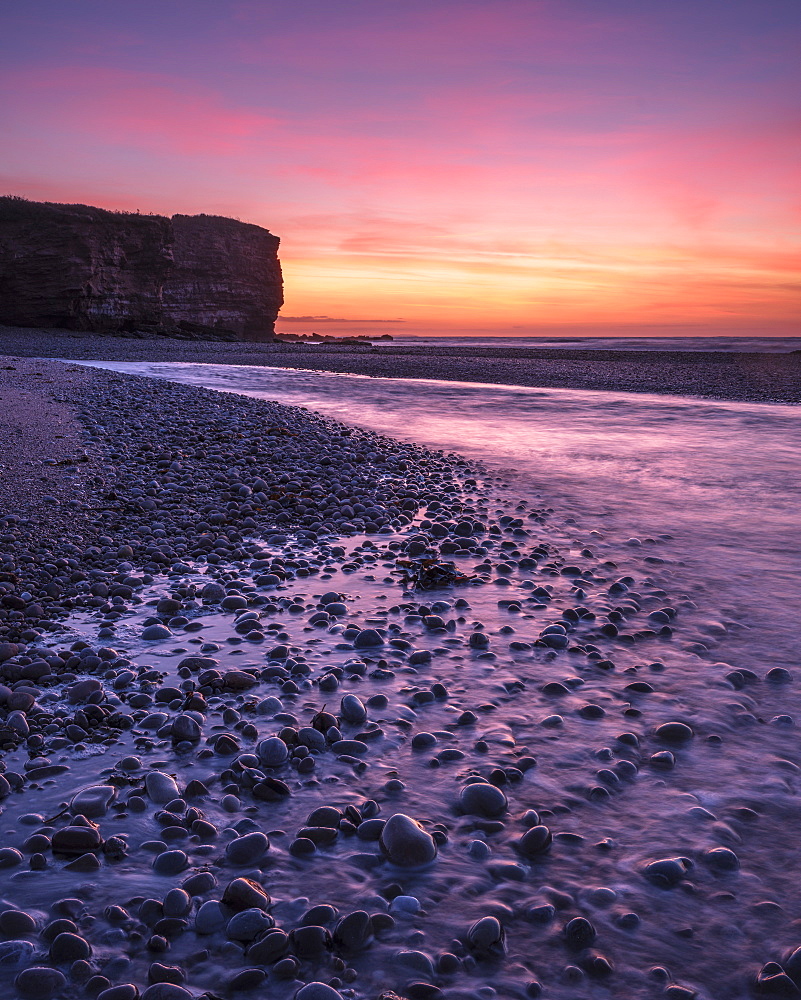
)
(758, 345)
(696, 503)
(720, 477)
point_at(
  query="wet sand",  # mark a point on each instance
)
(289, 708)
(713, 375)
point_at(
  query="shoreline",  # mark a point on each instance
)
(758, 378)
(242, 743)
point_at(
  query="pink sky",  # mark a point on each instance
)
(452, 167)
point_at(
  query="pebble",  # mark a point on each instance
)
(209, 918)
(161, 787)
(273, 752)
(244, 893)
(166, 991)
(352, 710)
(15, 954)
(205, 705)
(247, 925)
(535, 841)
(674, 732)
(248, 849)
(405, 843)
(170, 862)
(666, 872)
(40, 983)
(317, 991)
(156, 633)
(483, 799)
(486, 937)
(67, 947)
(16, 923)
(94, 801)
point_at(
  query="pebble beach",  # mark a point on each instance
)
(290, 708)
(740, 375)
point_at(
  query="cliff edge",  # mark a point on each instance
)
(84, 268)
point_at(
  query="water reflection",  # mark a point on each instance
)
(722, 477)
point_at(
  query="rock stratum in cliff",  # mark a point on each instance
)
(84, 268)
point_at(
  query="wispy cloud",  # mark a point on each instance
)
(335, 319)
(465, 162)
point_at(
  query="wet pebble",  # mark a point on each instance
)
(483, 799)
(674, 732)
(317, 991)
(40, 983)
(405, 843)
(161, 787)
(666, 872)
(248, 849)
(535, 841)
(487, 937)
(170, 862)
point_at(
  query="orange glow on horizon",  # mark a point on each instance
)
(464, 168)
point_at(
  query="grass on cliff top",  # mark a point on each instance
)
(15, 208)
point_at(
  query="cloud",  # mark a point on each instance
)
(335, 319)
(132, 109)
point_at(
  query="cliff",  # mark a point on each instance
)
(84, 268)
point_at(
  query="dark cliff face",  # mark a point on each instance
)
(83, 268)
(226, 274)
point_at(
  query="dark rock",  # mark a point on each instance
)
(666, 872)
(84, 268)
(406, 843)
(76, 840)
(317, 991)
(40, 983)
(244, 894)
(68, 947)
(535, 841)
(486, 937)
(482, 799)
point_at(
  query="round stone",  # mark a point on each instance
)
(674, 732)
(68, 947)
(184, 727)
(272, 751)
(15, 923)
(368, 638)
(156, 633)
(666, 872)
(94, 801)
(247, 925)
(161, 787)
(166, 991)
(248, 849)
(170, 862)
(486, 935)
(535, 840)
(15, 954)
(483, 799)
(317, 991)
(722, 859)
(209, 918)
(405, 843)
(40, 982)
(353, 710)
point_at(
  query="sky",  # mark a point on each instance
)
(509, 167)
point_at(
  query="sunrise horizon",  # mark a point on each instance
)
(400, 434)
(510, 166)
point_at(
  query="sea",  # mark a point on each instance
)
(722, 478)
(696, 500)
(753, 344)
